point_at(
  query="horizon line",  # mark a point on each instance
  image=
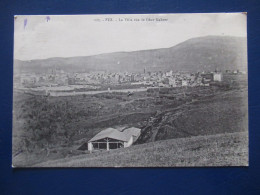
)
(131, 50)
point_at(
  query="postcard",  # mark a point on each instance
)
(130, 90)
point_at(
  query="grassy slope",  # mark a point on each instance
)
(225, 112)
(214, 150)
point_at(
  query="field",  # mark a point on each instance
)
(215, 150)
(48, 128)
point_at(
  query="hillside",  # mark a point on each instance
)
(208, 116)
(196, 54)
(215, 150)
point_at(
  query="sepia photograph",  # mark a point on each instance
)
(130, 90)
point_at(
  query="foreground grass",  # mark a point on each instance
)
(229, 149)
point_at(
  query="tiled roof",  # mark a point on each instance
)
(115, 134)
(132, 131)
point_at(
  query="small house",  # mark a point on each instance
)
(111, 138)
(217, 76)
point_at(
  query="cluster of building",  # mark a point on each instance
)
(170, 79)
(51, 78)
(155, 79)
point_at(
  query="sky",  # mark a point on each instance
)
(42, 36)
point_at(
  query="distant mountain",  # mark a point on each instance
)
(196, 54)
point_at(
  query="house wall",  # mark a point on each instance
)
(129, 143)
(136, 137)
(90, 146)
(217, 77)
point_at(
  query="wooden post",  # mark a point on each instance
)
(107, 144)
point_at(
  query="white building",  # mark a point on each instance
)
(172, 82)
(112, 139)
(169, 74)
(184, 83)
(217, 76)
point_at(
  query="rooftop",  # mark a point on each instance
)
(115, 134)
